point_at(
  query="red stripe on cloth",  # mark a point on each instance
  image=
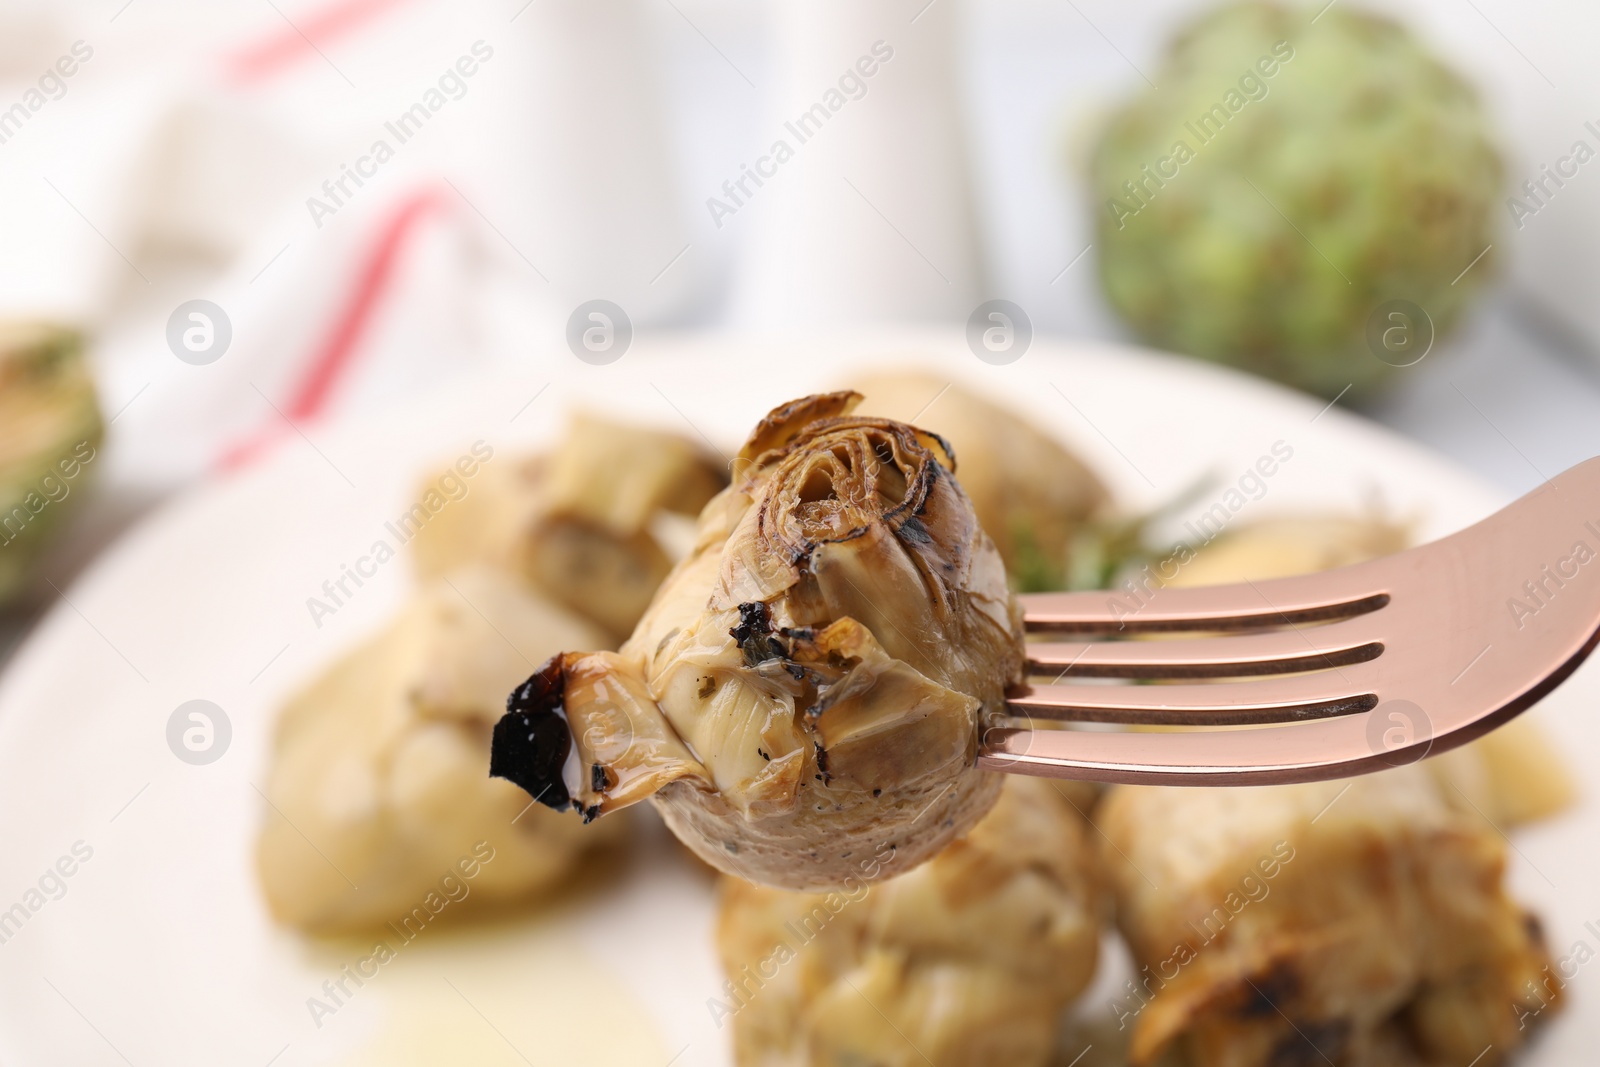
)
(302, 39)
(333, 357)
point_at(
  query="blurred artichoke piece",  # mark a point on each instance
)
(1032, 496)
(1512, 776)
(1358, 922)
(577, 523)
(967, 961)
(1287, 545)
(1281, 182)
(810, 685)
(377, 776)
(50, 429)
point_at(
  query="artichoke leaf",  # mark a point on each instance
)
(788, 421)
(742, 720)
(884, 725)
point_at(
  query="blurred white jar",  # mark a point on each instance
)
(868, 217)
(571, 161)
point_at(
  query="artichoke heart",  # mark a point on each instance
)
(809, 686)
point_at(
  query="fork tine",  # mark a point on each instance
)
(1335, 594)
(1275, 700)
(1313, 751)
(1449, 620)
(1275, 652)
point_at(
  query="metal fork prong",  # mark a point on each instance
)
(1339, 644)
(1274, 700)
(1336, 594)
(1332, 748)
(1474, 629)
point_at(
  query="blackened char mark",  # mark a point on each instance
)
(1269, 991)
(754, 634)
(1312, 1044)
(914, 532)
(531, 740)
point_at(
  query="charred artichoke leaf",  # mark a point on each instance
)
(813, 678)
(584, 732)
(783, 423)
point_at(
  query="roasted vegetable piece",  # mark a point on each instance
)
(50, 429)
(1031, 495)
(576, 524)
(967, 961)
(376, 788)
(809, 686)
(1350, 919)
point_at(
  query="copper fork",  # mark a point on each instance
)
(1333, 674)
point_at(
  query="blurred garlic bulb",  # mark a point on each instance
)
(805, 696)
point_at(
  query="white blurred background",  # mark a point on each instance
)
(569, 150)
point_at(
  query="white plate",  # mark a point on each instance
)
(158, 951)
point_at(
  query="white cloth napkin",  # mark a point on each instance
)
(234, 157)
